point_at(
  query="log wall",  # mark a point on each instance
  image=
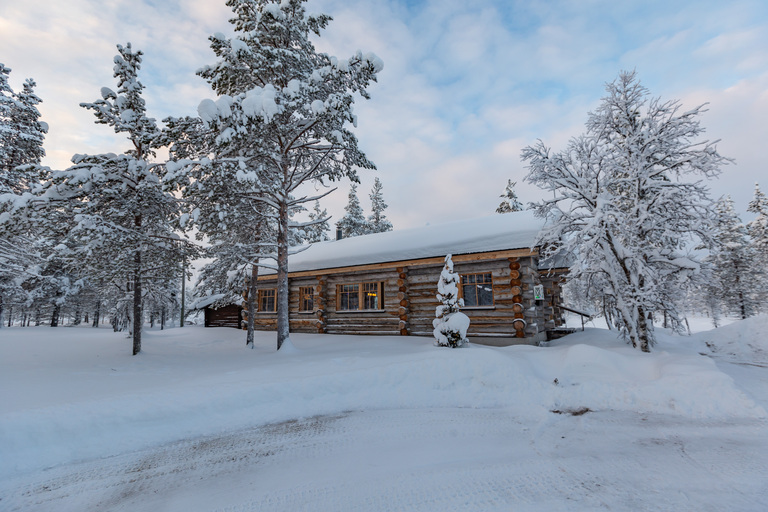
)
(225, 316)
(409, 298)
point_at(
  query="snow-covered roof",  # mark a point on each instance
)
(515, 230)
(218, 300)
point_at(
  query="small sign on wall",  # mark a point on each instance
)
(538, 292)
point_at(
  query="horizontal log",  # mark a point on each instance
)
(354, 332)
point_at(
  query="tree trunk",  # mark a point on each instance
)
(1, 312)
(643, 336)
(252, 297)
(283, 325)
(97, 314)
(137, 313)
(162, 318)
(183, 290)
(55, 316)
(78, 315)
(10, 316)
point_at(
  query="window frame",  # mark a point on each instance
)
(475, 286)
(361, 296)
(267, 293)
(306, 294)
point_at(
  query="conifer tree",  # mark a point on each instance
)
(450, 324)
(123, 220)
(732, 261)
(377, 221)
(758, 233)
(281, 117)
(318, 230)
(510, 203)
(353, 222)
(21, 149)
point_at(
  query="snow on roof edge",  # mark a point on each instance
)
(508, 231)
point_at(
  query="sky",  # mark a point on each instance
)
(466, 85)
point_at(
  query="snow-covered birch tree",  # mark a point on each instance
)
(377, 221)
(450, 324)
(621, 202)
(282, 115)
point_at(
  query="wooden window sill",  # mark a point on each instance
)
(357, 311)
(471, 308)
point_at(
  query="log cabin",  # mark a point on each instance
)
(385, 283)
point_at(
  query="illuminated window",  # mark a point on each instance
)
(267, 300)
(477, 289)
(371, 295)
(306, 298)
(360, 296)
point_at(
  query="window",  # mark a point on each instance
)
(477, 289)
(267, 300)
(306, 298)
(360, 296)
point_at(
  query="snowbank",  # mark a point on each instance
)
(76, 393)
(742, 341)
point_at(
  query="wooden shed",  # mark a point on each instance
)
(221, 311)
(385, 283)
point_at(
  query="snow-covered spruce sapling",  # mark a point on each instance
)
(510, 201)
(450, 324)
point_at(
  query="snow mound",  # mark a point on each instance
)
(741, 341)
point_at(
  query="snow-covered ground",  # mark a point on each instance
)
(199, 422)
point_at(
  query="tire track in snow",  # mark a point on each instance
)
(434, 459)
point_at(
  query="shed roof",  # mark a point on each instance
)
(514, 230)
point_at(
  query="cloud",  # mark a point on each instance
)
(465, 85)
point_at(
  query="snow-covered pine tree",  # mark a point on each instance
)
(377, 221)
(732, 260)
(353, 222)
(621, 203)
(318, 230)
(450, 324)
(123, 219)
(282, 114)
(510, 201)
(758, 233)
(21, 149)
(26, 137)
